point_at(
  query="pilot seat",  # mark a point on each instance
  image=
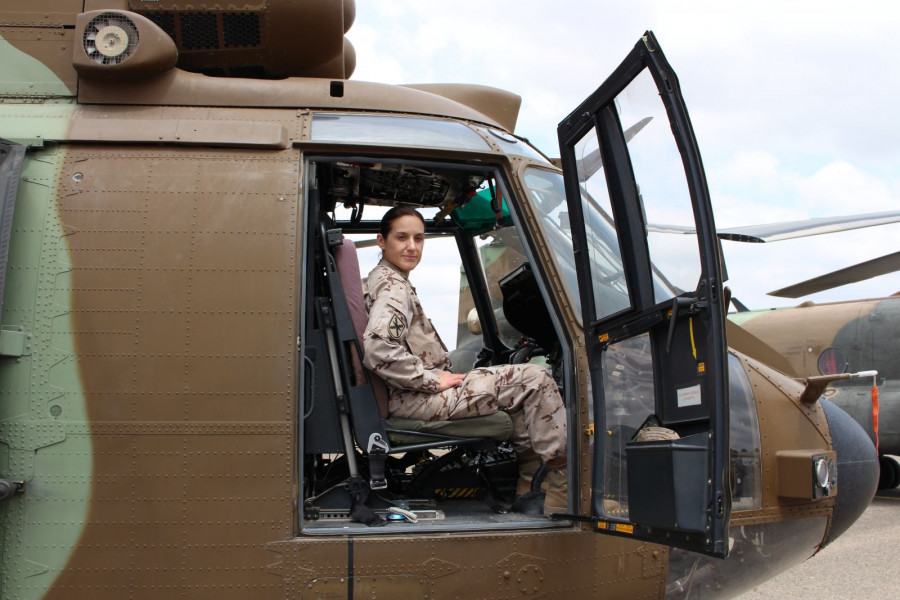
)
(362, 408)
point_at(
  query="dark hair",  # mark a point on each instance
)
(395, 213)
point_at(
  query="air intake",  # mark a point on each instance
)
(120, 45)
(110, 38)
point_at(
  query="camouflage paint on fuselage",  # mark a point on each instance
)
(159, 240)
(46, 441)
(21, 74)
(862, 331)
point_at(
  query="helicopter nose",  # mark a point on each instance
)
(857, 466)
(760, 551)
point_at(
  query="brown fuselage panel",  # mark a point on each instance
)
(184, 304)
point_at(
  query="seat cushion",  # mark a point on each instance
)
(497, 426)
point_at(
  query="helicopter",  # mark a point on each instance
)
(834, 338)
(184, 412)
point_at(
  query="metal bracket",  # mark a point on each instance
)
(15, 341)
(8, 489)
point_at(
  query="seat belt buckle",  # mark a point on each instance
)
(377, 450)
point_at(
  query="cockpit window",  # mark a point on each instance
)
(500, 253)
(511, 144)
(548, 195)
(392, 130)
(746, 475)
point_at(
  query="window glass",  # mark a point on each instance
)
(659, 173)
(746, 477)
(395, 131)
(500, 252)
(627, 368)
(548, 195)
(511, 144)
(608, 283)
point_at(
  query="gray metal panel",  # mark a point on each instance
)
(12, 156)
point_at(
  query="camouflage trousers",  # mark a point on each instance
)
(527, 392)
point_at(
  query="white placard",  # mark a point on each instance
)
(689, 396)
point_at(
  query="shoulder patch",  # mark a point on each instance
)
(396, 327)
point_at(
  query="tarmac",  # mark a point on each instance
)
(859, 565)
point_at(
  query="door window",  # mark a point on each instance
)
(655, 343)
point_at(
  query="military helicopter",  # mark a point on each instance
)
(182, 410)
(835, 338)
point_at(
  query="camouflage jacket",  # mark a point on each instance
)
(400, 344)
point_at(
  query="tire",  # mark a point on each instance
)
(890, 473)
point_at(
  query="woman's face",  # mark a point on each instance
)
(403, 245)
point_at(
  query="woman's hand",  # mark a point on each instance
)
(449, 380)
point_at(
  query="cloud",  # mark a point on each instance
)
(757, 187)
(791, 102)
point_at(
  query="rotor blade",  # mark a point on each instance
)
(775, 232)
(740, 306)
(859, 272)
(592, 162)
(683, 229)
(636, 128)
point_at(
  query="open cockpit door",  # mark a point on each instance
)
(652, 307)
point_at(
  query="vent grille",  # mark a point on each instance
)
(241, 30)
(209, 30)
(165, 20)
(199, 31)
(110, 38)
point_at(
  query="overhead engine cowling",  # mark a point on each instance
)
(268, 39)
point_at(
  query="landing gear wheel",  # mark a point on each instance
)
(890, 473)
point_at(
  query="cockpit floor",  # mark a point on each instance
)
(448, 515)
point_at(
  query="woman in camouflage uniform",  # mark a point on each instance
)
(402, 346)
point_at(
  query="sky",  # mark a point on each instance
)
(792, 103)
